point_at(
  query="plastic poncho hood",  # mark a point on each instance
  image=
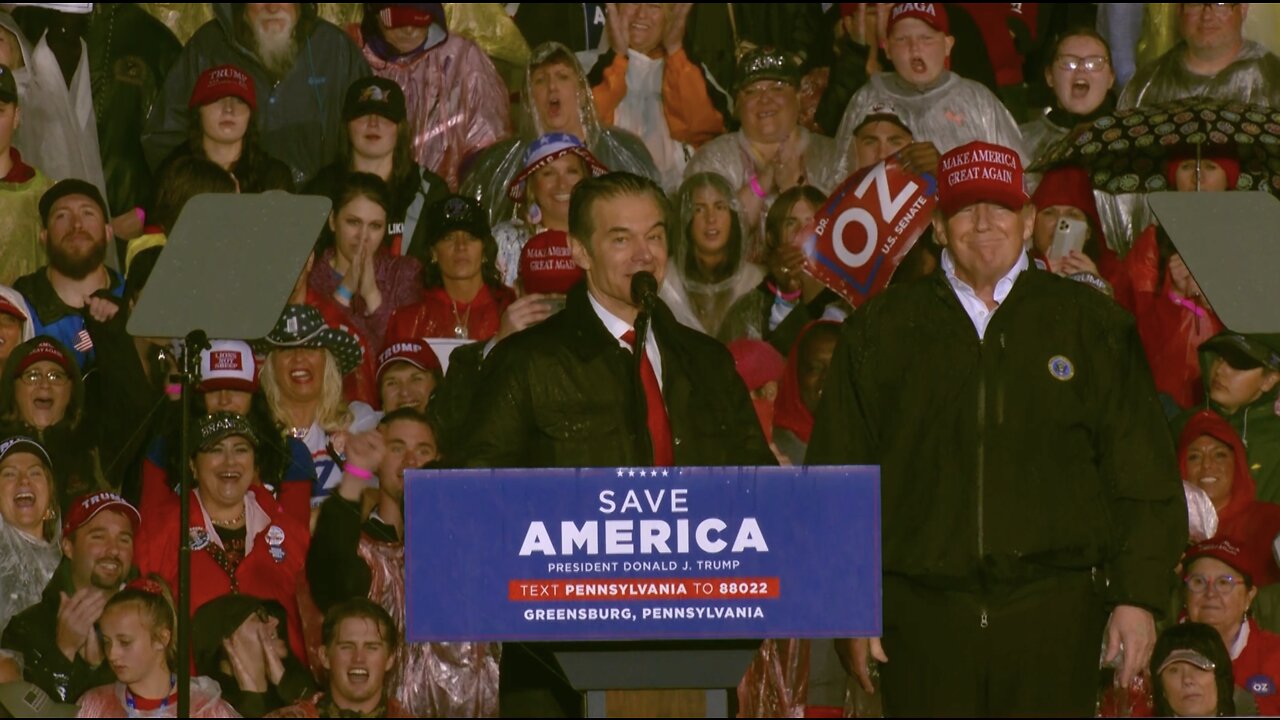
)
(494, 171)
(698, 303)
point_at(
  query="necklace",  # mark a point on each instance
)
(299, 432)
(233, 523)
(461, 322)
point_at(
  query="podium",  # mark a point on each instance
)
(635, 579)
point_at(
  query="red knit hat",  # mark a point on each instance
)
(980, 172)
(1070, 185)
(1229, 165)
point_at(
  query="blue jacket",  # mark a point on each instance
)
(50, 316)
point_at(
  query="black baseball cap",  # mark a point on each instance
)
(70, 186)
(374, 96)
(1245, 352)
(767, 63)
(456, 212)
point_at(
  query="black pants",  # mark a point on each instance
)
(1037, 654)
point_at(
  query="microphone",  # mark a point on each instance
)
(644, 291)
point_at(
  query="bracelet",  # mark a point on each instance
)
(344, 293)
(790, 297)
(755, 187)
(142, 215)
(356, 471)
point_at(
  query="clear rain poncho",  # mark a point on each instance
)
(495, 167)
(953, 112)
(1254, 77)
(26, 565)
(703, 303)
(457, 104)
(454, 679)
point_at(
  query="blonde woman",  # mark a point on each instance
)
(302, 381)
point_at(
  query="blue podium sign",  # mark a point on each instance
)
(642, 553)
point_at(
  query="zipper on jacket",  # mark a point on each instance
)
(982, 422)
(982, 617)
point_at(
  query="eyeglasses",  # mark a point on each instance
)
(56, 378)
(1071, 63)
(1223, 584)
(1215, 8)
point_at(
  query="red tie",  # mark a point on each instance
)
(659, 425)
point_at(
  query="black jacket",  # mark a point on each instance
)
(335, 570)
(565, 394)
(34, 631)
(1038, 450)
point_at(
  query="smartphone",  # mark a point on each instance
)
(1068, 236)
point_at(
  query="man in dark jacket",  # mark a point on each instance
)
(301, 67)
(569, 392)
(60, 648)
(1028, 487)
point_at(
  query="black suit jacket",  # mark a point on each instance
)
(565, 394)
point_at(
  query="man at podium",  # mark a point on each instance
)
(1029, 488)
(570, 393)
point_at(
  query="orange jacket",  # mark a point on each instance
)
(691, 117)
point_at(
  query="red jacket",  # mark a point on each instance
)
(259, 574)
(1258, 669)
(437, 315)
(1171, 330)
(360, 385)
(1245, 519)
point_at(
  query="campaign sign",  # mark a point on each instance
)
(866, 227)
(642, 553)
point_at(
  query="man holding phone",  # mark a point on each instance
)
(1028, 487)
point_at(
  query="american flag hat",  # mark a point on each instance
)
(547, 149)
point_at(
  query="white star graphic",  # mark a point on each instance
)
(664, 473)
(619, 472)
(631, 473)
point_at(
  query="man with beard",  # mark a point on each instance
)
(350, 558)
(75, 237)
(62, 653)
(301, 67)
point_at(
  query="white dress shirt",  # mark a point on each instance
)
(618, 327)
(973, 305)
